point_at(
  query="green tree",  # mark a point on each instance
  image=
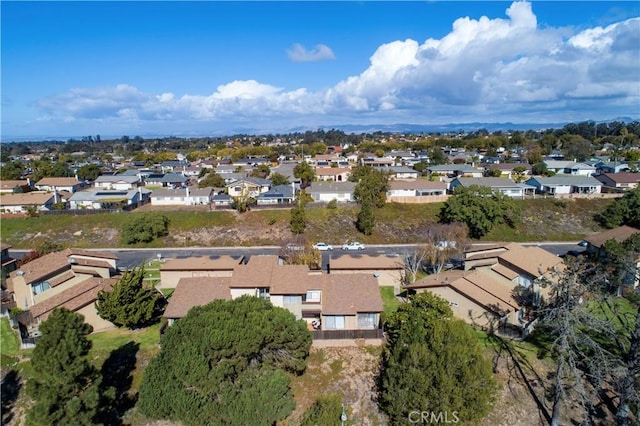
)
(212, 179)
(433, 361)
(372, 185)
(279, 179)
(66, 387)
(480, 208)
(11, 170)
(622, 211)
(130, 303)
(227, 363)
(145, 228)
(366, 220)
(519, 173)
(325, 411)
(261, 171)
(298, 221)
(493, 173)
(89, 172)
(305, 173)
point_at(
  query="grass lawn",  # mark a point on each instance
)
(9, 345)
(389, 299)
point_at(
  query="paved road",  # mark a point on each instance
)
(130, 258)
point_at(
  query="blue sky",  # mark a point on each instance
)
(211, 68)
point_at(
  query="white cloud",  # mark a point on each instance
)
(298, 53)
(483, 69)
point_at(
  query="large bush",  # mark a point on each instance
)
(144, 228)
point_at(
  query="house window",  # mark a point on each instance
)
(237, 188)
(334, 322)
(367, 321)
(524, 281)
(263, 292)
(40, 287)
(291, 300)
(312, 296)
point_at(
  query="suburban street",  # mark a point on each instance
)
(130, 258)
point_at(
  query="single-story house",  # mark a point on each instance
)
(560, 185)
(117, 182)
(71, 184)
(182, 197)
(327, 191)
(619, 181)
(11, 186)
(503, 185)
(416, 188)
(108, 199)
(175, 180)
(333, 174)
(453, 170)
(403, 172)
(20, 202)
(154, 179)
(611, 166)
(221, 200)
(280, 194)
(579, 169)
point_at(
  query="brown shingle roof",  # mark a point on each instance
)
(535, 261)
(331, 171)
(438, 280)
(290, 279)
(65, 276)
(349, 294)
(197, 291)
(255, 273)
(91, 253)
(490, 286)
(25, 199)
(416, 184)
(11, 184)
(624, 177)
(504, 271)
(44, 266)
(365, 262)
(619, 234)
(200, 263)
(74, 298)
(57, 181)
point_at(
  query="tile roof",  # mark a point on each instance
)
(365, 261)
(196, 291)
(619, 234)
(349, 294)
(73, 298)
(201, 263)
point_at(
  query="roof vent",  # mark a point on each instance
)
(71, 261)
(20, 272)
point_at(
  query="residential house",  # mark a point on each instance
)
(117, 182)
(70, 278)
(333, 174)
(416, 191)
(173, 270)
(387, 270)
(484, 292)
(506, 169)
(280, 194)
(248, 187)
(11, 186)
(175, 180)
(108, 199)
(53, 184)
(325, 302)
(377, 163)
(454, 170)
(611, 167)
(154, 179)
(579, 169)
(324, 192)
(619, 181)
(182, 197)
(564, 185)
(9, 264)
(502, 185)
(22, 202)
(174, 166)
(557, 166)
(596, 242)
(403, 172)
(221, 200)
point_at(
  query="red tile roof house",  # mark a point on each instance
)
(70, 278)
(334, 306)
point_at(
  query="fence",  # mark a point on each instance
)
(377, 333)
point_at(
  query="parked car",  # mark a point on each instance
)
(322, 246)
(294, 247)
(353, 245)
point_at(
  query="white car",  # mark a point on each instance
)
(353, 245)
(322, 246)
